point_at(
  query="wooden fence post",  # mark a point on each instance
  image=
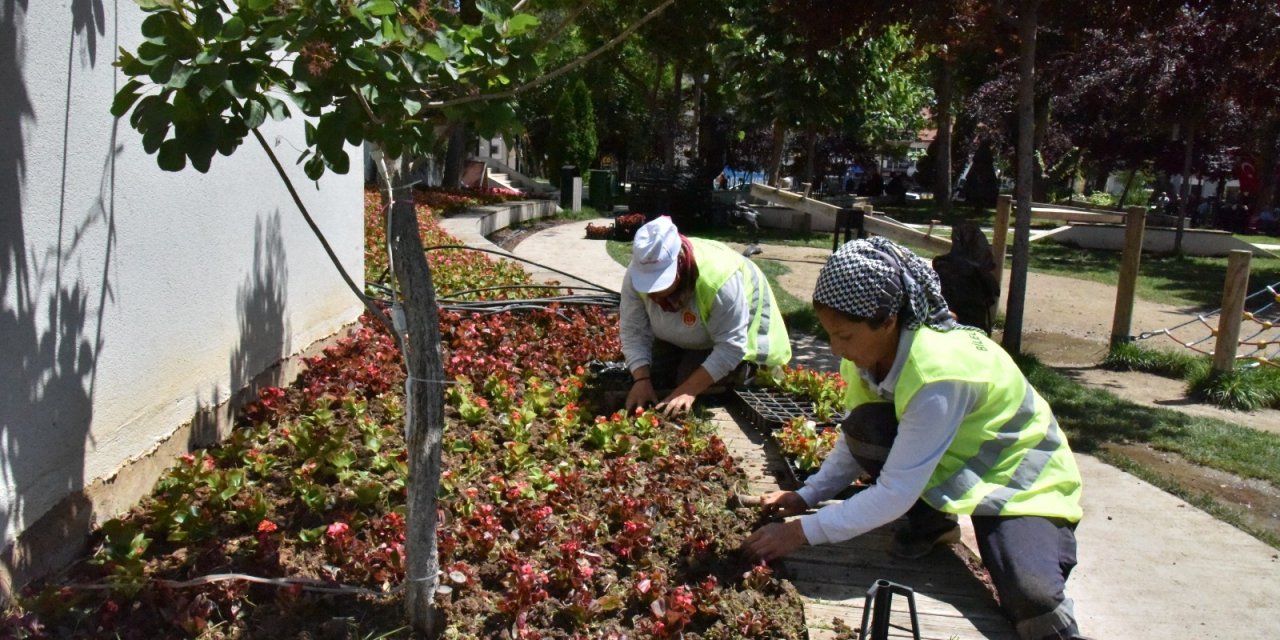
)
(1000, 234)
(1233, 295)
(1122, 321)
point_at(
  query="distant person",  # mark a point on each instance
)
(1202, 213)
(947, 425)
(694, 314)
(875, 186)
(897, 188)
(1161, 202)
(1267, 221)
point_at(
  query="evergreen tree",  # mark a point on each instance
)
(573, 131)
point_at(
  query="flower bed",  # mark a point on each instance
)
(626, 225)
(599, 231)
(555, 523)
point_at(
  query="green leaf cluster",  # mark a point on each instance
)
(390, 73)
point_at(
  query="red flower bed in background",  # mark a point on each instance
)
(626, 225)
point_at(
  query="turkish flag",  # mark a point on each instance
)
(1247, 174)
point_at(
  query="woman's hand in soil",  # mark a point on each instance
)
(641, 395)
(775, 540)
(782, 503)
(677, 404)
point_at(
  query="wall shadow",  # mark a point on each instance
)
(264, 333)
(48, 299)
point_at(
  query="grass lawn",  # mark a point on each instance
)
(1095, 418)
(1195, 282)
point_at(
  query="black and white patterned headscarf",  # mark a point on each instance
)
(876, 278)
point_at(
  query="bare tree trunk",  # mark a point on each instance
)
(424, 405)
(698, 141)
(810, 163)
(1267, 174)
(1027, 28)
(673, 119)
(775, 152)
(942, 163)
(1184, 192)
(1124, 194)
(455, 156)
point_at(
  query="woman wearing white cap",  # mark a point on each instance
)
(693, 313)
(947, 425)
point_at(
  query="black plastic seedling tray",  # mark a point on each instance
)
(768, 410)
(772, 409)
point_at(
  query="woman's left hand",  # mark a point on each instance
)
(676, 404)
(775, 540)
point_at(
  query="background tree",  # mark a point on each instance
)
(573, 131)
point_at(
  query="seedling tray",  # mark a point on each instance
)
(768, 410)
(797, 474)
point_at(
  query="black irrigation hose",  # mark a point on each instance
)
(489, 307)
(510, 256)
(511, 287)
(596, 295)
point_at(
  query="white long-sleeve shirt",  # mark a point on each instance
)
(725, 330)
(928, 425)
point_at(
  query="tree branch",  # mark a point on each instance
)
(368, 304)
(563, 25)
(558, 72)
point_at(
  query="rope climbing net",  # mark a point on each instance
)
(1259, 340)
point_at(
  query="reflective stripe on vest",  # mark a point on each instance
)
(1009, 457)
(1029, 469)
(767, 340)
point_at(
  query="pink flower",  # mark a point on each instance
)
(337, 530)
(266, 526)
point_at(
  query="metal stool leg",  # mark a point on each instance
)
(877, 609)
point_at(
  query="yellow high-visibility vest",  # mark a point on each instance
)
(767, 340)
(1009, 457)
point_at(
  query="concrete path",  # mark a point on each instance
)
(1151, 565)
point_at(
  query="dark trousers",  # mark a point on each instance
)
(1028, 557)
(671, 365)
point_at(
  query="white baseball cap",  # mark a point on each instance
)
(654, 255)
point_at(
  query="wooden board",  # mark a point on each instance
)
(877, 225)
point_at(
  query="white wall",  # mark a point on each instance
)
(132, 298)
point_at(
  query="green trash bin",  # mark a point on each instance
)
(601, 188)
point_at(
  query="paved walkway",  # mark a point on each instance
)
(1151, 566)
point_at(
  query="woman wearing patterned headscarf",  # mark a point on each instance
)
(947, 425)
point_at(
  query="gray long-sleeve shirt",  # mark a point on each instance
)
(724, 332)
(925, 431)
